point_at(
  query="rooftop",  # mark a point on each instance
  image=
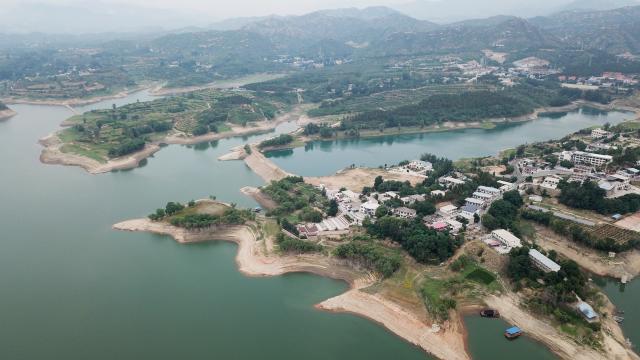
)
(548, 263)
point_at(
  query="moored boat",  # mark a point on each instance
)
(512, 332)
(489, 313)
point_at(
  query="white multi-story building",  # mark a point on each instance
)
(550, 182)
(506, 186)
(369, 208)
(474, 202)
(449, 181)
(405, 213)
(581, 157)
(482, 196)
(489, 190)
(506, 238)
(448, 210)
(542, 262)
(599, 134)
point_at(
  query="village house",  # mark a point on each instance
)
(438, 193)
(489, 191)
(449, 182)
(474, 202)
(506, 186)
(599, 134)
(585, 158)
(369, 208)
(542, 262)
(448, 211)
(506, 239)
(587, 311)
(405, 213)
(469, 212)
(419, 166)
(550, 182)
(615, 185)
(412, 199)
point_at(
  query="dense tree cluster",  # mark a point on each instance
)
(590, 197)
(291, 245)
(292, 194)
(423, 244)
(128, 146)
(282, 139)
(503, 213)
(469, 106)
(559, 287)
(372, 256)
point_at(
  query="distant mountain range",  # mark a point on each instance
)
(447, 11)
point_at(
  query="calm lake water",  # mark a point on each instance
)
(625, 297)
(326, 157)
(75, 289)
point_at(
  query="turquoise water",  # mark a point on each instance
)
(72, 288)
(486, 341)
(326, 157)
(75, 289)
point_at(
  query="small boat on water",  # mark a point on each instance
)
(489, 313)
(618, 319)
(512, 332)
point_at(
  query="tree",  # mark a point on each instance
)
(377, 182)
(382, 211)
(333, 208)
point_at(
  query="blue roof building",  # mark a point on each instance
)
(587, 311)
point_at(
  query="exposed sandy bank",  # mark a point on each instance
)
(6, 114)
(236, 153)
(253, 259)
(511, 311)
(52, 154)
(264, 167)
(448, 343)
(74, 101)
(261, 198)
(357, 178)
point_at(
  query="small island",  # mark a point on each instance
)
(120, 137)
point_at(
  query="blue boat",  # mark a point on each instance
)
(512, 332)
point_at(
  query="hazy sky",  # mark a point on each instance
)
(225, 8)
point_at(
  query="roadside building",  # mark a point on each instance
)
(405, 213)
(474, 202)
(542, 262)
(507, 239)
(438, 193)
(482, 196)
(448, 211)
(581, 157)
(550, 182)
(489, 190)
(506, 186)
